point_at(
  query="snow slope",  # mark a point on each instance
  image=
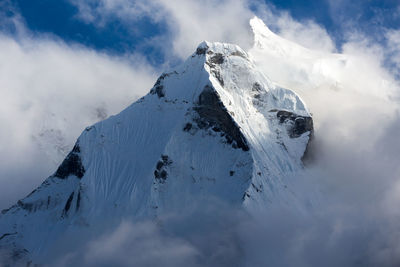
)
(215, 127)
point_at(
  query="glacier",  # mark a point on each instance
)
(214, 127)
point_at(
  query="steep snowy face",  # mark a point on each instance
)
(214, 128)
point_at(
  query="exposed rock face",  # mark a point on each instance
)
(72, 165)
(297, 124)
(161, 172)
(201, 50)
(216, 59)
(213, 114)
(68, 204)
(158, 87)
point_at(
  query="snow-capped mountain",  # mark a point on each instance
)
(215, 127)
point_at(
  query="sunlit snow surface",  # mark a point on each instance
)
(208, 129)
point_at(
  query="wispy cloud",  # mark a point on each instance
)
(188, 22)
(129, 244)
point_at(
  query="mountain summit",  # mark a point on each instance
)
(213, 128)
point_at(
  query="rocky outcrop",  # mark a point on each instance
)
(158, 87)
(161, 174)
(297, 124)
(72, 165)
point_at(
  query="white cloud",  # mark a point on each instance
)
(139, 244)
(189, 22)
(201, 234)
(50, 92)
(209, 20)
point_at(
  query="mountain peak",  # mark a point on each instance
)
(258, 26)
(213, 128)
(223, 66)
(225, 49)
(268, 41)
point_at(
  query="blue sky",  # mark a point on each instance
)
(61, 18)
